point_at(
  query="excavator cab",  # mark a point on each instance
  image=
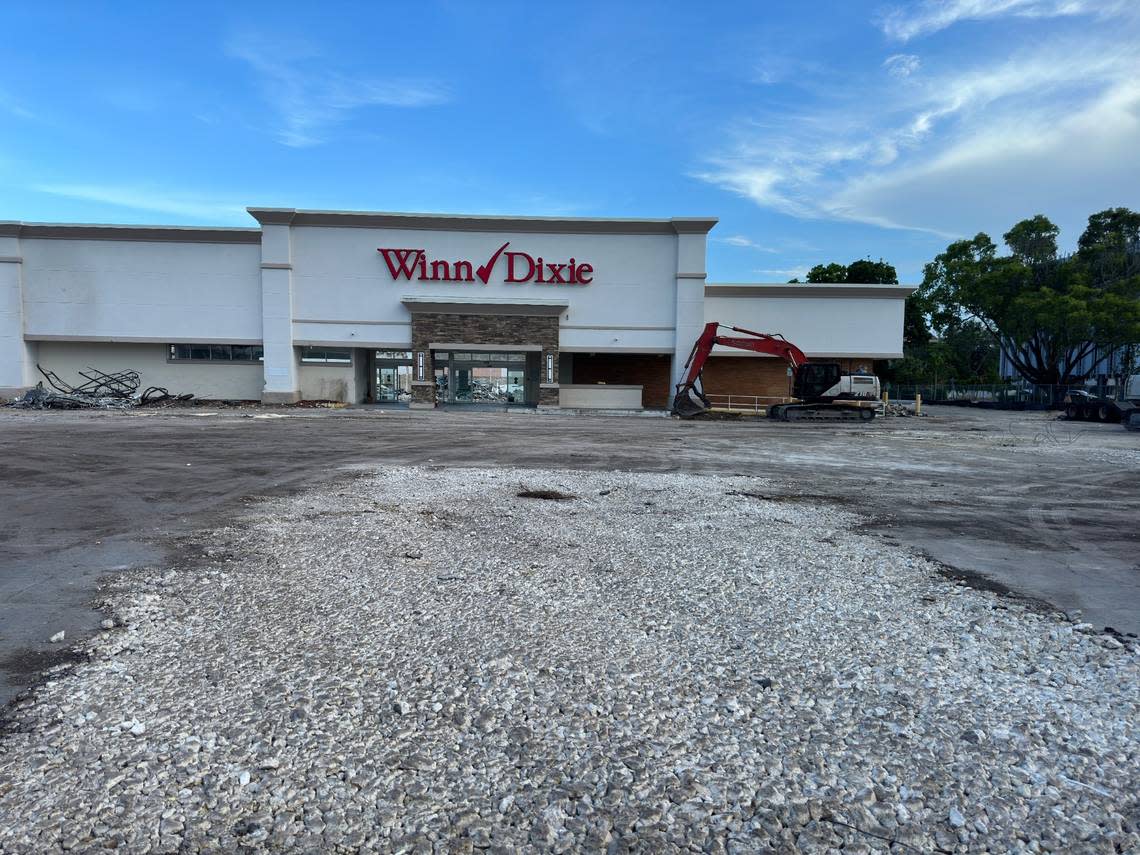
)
(813, 379)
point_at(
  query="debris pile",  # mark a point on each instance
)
(99, 391)
(898, 410)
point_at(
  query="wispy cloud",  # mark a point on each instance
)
(906, 23)
(928, 151)
(742, 241)
(177, 204)
(902, 64)
(311, 96)
(10, 105)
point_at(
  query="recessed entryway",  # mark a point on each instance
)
(485, 377)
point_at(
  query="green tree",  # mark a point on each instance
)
(1046, 313)
(827, 273)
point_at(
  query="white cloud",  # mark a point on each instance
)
(310, 96)
(929, 16)
(935, 152)
(742, 241)
(1066, 168)
(902, 64)
(150, 199)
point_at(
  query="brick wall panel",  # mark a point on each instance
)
(650, 371)
(747, 375)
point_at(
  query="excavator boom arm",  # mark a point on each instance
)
(776, 345)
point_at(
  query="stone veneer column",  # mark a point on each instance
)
(281, 374)
(690, 321)
(17, 356)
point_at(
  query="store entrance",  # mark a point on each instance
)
(485, 377)
(392, 377)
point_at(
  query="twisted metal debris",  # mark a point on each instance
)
(99, 391)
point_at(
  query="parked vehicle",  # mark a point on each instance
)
(1082, 406)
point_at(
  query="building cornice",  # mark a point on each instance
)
(480, 223)
(534, 307)
(809, 289)
(96, 231)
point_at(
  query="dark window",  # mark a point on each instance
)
(216, 352)
(336, 355)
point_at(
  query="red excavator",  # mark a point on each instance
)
(819, 389)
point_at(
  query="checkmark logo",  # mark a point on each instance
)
(484, 270)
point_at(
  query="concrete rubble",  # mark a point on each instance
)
(423, 660)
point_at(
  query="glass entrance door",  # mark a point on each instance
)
(392, 377)
(475, 377)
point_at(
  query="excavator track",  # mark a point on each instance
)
(821, 413)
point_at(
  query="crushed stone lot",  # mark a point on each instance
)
(421, 659)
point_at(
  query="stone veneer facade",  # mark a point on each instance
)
(483, 329)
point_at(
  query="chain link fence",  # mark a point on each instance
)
(1007, 396)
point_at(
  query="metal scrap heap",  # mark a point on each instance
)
(99, 391)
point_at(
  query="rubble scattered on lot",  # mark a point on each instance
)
(666, 666)
(899, 410)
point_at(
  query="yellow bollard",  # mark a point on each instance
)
(918, 403)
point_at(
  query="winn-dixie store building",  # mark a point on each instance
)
(422, 309)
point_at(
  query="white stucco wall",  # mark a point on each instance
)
(600, 397)
(332, 382)
(822, 320)
(141, 290)
(212, 381)
(338, 277)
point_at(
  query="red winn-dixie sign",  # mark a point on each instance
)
(521, 267)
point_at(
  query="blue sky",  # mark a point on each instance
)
(815, 131)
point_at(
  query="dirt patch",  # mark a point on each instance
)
(550, 495)
(801, 498)
(981, 582)
(26, 668)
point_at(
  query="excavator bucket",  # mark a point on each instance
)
(688, 402)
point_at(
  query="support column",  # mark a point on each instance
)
(690, 318)
(282, 383)
(17, 356)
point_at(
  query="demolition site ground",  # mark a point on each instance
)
(381, 631)
(1012, 502)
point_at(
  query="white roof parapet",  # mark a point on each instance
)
(108, 231)
(808, 289)
(483, 223)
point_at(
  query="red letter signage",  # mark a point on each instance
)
(521, 268)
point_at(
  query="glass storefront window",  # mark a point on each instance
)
(337, 355)
(216, 353)
(480, 377)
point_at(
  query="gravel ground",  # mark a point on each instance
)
(420, 659)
